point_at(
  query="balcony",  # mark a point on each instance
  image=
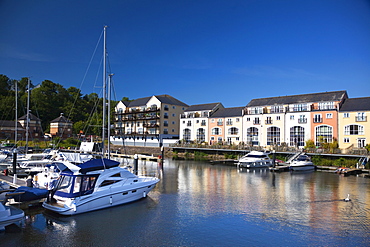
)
(317, 120)
(302, 120)
(268, 121)
(220, 123)
(256, 122)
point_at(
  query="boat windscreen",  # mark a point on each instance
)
(256, 156)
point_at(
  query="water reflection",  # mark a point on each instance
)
(200, 204)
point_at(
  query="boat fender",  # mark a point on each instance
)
(144, 194)
(110, 200)
(74, 206)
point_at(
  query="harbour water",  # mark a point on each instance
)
(198, 204)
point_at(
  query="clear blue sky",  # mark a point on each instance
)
(197, 51)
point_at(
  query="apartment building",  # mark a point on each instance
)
(292, 120)
(148, 121)
(194, 122)
(226, 126)
(354, 126)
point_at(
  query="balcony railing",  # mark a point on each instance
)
(268, 121)
(256, 122)
(302, 120)
(317, 120)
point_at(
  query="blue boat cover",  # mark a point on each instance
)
(30, 194)
(97, 164)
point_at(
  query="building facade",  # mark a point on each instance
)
(61, 127)
(293, 120)
(148, 119)
(354, 126)
(194, 122)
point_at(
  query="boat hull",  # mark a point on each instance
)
(254, 164)
(302, 166)
(10, 215)
(100, 200)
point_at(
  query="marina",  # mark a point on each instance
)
(199, 204)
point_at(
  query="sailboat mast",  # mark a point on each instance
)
(109, 100)
(16, 114)
(28, 114)
(104, 89)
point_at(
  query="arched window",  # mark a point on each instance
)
(233, 131)
(296, 136)
(324, 134)
(252, 136)
(273, 136)
(201, 135)
(216, 131)
(186, 134)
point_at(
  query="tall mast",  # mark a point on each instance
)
(104, 89)
(109, 99)
(28, 114)
(16, 113)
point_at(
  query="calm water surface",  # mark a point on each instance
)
(197, 204)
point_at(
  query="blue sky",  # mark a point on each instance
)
(197, 51)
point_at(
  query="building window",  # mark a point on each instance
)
(201, 135)
(354, 129)
(252, 136)
(296, 136)
(220, 122)
(229, 121)
(216, 131)
(173, 130)
(346, 140)
(346, 115)
(173, 107)
(361, 117)
(173, 115)
(237, 120)
(273, 136)
(317, 118)
(248, 119)
(329, 115)
(165, 131)
(233, 131)
(166, 107)
(203, 123)
(277, 117)
(324, 134)
(187, 135)
(291, 117)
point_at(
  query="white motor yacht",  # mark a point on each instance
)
(302, 163)
(255, 159)
(96, 184)
(9, 215)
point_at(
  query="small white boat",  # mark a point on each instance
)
(255, 159)
(302, 163)
(9, 215)
(96, 184)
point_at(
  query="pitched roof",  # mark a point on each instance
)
(228, 112)
(302, 98)
(202, 107)
(165, 99)
(9, 123)
(356, 104)
(61, 119)
(31, 117)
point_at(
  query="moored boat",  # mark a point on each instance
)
(302, 163)
(9, 215)
(255, 159)
(96, 184)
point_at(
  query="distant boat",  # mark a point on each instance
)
(302, 163)
(255, 159)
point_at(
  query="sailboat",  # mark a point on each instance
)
(98, 183)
